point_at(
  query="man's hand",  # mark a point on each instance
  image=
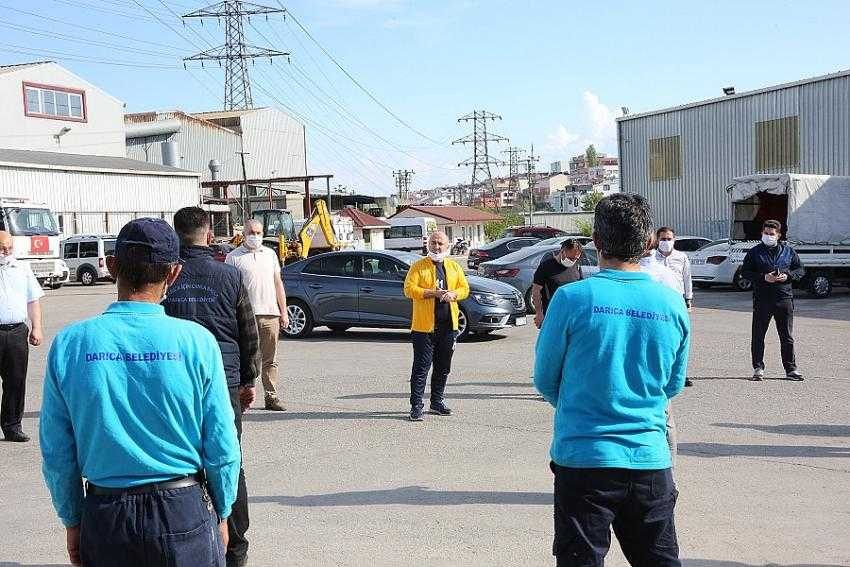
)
(72, 537)
(225, 538)
(247, 395)
(781, 278)
(449, 296)
(36, 337)
(538, 319)
(284, 319)
(770, 278)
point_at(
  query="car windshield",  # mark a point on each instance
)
(31, 222)
(714, 244)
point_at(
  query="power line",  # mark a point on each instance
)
(530, 163)
(402, 182)
(513, 166)
(12, 48)
(481, 159)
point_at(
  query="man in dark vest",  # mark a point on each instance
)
(211, 293)
(772, 266)
(559, 269)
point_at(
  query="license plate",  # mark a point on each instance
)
(697, 262)
(41, 269)
(520, 321)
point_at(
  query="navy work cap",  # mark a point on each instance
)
(155, 235)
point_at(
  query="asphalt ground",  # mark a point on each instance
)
(342, 478)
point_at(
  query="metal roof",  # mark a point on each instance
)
(225, 113)
(56, 160)
(724, 98)
(456, 213)
(19, 66)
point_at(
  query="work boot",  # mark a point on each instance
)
(758, 374)
(795, 375)
(273, 404)
(440, 409)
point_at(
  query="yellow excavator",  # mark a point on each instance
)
(279, 232)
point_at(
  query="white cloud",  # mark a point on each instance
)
(602, 119)
(597, 126)
(561, 138)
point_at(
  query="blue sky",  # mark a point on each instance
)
(557, 72)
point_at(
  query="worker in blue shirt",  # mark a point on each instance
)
(612, 351)
(136, 403)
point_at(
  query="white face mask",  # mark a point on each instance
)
(437, 256)
(769, 240)
(666, 246)
(253, 241)
(5, 259)
(566, 262)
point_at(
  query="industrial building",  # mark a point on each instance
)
(63, 144)
(683, 158)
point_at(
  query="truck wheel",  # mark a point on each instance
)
(741, 283)
(820, 285)
(87, 276)
(300, 320)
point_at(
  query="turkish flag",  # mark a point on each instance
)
(39, 245)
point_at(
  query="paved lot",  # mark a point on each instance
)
(343, 479)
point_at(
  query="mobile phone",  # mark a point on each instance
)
(776, 272)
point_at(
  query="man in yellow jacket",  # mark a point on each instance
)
(435, 284)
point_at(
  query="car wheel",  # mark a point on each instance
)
(529, 305)
(741, 283)
(820, 285)
(462, 325)
(87, 276)
(300, 320)
(339, 328)
(702, 285)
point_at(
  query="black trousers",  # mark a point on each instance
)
(782, 312)
(638, 504)
(14, 357)
(165, 528)
(237, 523)
(431, 350)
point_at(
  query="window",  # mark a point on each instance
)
(344, 265)
(109, 248)
(70, 250)
(395, 232)
(778, 144)
(88, 249)
(689, 244)
(375, 268)
(665, 159)
(413, 231)
(45, 101)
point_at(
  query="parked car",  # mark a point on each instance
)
(721, 264)
(364, 288)
(517, 269)
(221, 250)
(714, 243)
(497, 249)
(559, 239)
(690, 244)
(86, 255)
(541, 232)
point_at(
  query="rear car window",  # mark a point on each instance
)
(333, 265)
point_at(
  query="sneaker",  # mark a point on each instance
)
(758, 374)
(273, 404)
(795, 375)
(440, 409)
(416, 414)
(688, 382)
(17, 437)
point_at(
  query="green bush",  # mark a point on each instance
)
(494, 229)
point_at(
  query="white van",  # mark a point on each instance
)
(410, 234)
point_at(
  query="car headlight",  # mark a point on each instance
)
(487, 298)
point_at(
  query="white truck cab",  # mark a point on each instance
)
(35, 238)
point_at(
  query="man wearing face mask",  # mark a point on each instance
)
(19, 295)
(559, 269)
(135, 402)
(260, 271)
(676, 261)
(772, 266)
(435, 284)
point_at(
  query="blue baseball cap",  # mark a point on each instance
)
(155, 235)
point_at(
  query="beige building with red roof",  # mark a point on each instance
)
(368, 230)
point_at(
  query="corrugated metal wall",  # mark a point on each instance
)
(718, 143)
(274, 142)
(87, 196)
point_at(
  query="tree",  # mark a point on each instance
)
(585, 227)
(589, 201)
(494, 229)
(590, 156)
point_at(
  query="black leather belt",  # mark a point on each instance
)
(10, 326)
(181, 482)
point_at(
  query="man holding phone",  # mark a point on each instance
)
(772, 266)
(435, 284)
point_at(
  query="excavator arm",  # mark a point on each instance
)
(319, 220)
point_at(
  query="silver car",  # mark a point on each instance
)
(518, 268)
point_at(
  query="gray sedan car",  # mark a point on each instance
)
(517, 269)
(347, 289)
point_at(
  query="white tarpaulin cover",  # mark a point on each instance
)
(818, 205)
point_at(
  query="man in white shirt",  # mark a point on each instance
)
(260, 270)
(19, 295)
(677, 261)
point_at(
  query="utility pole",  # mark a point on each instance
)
(481, 159)
(402, 182)
(235, 52)
(243, 189)
(530, 164)
(513, 167)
